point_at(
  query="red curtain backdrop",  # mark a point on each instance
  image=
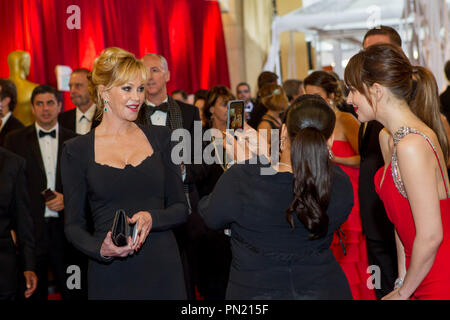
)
(188, 33)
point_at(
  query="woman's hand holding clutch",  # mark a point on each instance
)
(109, 249)
(144, 222)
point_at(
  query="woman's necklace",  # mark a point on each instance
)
(285, 164)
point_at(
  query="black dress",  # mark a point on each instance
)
(271, 260)
(155, 185)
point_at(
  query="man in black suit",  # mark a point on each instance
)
(40, 144)
(8, 100)
(445, 96)
(15, 214)
(160, 109)
(243, 92)
(379, 231)
(84, 117)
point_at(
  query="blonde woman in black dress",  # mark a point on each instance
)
(121, 165)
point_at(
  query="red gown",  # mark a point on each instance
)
(436, 285)
(354, 261)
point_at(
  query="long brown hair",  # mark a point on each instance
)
(328, 83)
(310, 123)
(387, 65)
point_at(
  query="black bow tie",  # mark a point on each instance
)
(50, 133)
(164, 107)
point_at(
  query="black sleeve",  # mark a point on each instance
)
(341, 200)
(24, 220)
(73, 176)
(222, 206)
(176, 209)
(195, 171)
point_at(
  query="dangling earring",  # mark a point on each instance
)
(105, 102)
(330, 153)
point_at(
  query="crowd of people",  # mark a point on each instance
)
(356, 205)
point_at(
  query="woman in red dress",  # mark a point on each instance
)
(413, 184)
(349, 245)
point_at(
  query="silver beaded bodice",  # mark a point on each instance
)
(402, 132)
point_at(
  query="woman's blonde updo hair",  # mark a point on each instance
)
(273, 97)
(113, 67)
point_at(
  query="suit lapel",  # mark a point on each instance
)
(36, 150)
(62, 137)
(365, 137)
(73, 120)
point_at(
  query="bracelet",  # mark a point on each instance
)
(398, 283)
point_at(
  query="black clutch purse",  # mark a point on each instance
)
(121, 230)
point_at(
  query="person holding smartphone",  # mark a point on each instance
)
(124, 165)
(41, 144)
(282, 224)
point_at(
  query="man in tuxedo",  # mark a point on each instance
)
(8, 100)
(15, 214)
(243, 92)
(445, 96)
(83, 118)
(40, 144)
(161, 109)
(379, 231)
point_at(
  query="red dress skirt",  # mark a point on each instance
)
(354, 260)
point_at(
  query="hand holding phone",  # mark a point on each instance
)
(48, 195)
(235, 114)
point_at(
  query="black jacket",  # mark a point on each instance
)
(67, 119)
(14, 214)
(24, 142)
(12, 124)
(445, 103)
(375, 223)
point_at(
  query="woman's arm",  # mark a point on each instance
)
(353, 162)
(351, 129)
(417, 164)
(74, 185)
(401, 262)
(175, 212)
(222, 206)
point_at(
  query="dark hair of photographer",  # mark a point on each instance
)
(310, 123)
(215, 108)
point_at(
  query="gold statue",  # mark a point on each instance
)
(19, 69)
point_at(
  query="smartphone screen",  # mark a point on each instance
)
(235, 114)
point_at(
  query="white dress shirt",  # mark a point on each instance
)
(249, 107)
(49, 153)
(4, 119)
(158, 118)
(83, 122)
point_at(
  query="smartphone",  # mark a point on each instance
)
(235, 114)
(48, 194)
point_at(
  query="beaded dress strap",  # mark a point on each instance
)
(400, 134)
